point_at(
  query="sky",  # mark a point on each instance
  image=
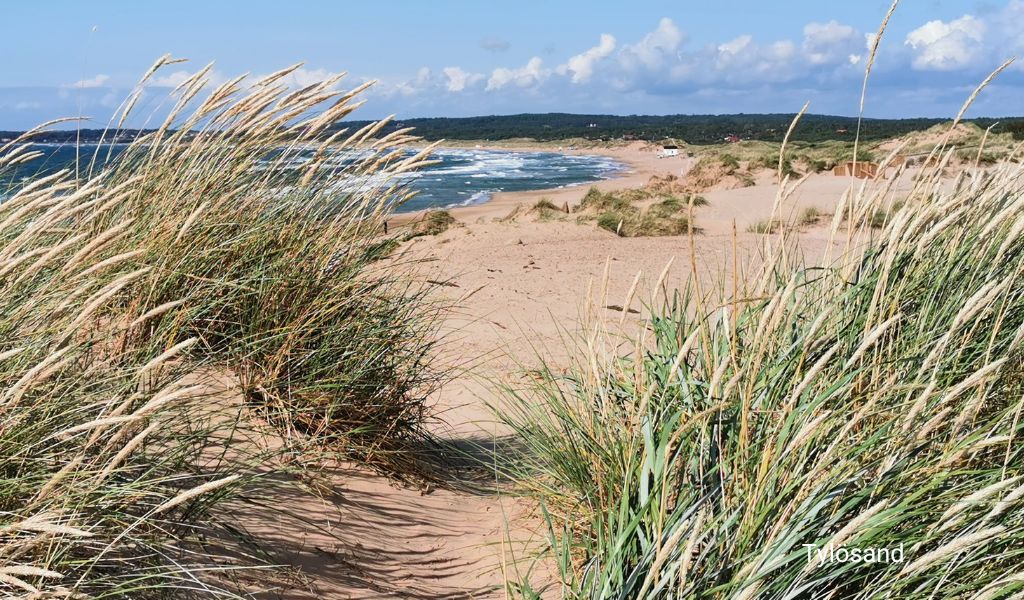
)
(465, 58)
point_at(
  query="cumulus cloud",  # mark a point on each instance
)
(655, 49)
(424, 79)
(171, 80)
(941, 46)
(582, 65)
(92, 82)
(831, 43)
(495, 45)
(658, 64)
(302, 77)
(175, 78)
(526, 76)
(459, 79)
(741, 60)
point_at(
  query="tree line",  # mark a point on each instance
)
(692, 129)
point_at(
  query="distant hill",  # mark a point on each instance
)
(692, 129)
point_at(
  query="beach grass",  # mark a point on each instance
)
(182, 322)
(872, 401)
(765, 226)
(546, 210)
(433, 222)
(810, 216)
(648, 211)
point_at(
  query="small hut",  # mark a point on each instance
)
(860, 170)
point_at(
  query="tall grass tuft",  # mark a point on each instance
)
(871, 402)
(241, 240)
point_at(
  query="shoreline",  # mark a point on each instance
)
(638, 159)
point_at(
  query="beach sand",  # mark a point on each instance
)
(520, 286)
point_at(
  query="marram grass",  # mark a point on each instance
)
(241, 239)
(872, 402)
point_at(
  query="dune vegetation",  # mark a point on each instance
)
(730, 444)
(648, 211)
(192, 320)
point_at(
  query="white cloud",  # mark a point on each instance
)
(459, 79)
(582, 65)
(729, 51)
(423, 80)
(526, 76)
(302, 77)
(742, 61)
(940, 46)
(171, 80)
(175, 78)
(826, 58)
(655, 48)
(831, 43)
(92, 82)
(1008, 28)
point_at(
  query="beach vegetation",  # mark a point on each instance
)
(870, 402)
(546, 210)
(632, 213)
(433, 222)
(189, 326)
(729, 162)
(810, 216)
(613, 222)
(596, 201)
(765, 226)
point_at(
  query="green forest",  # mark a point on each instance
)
(692, 129)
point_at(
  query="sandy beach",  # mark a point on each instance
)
(533, 301)
(522, 286)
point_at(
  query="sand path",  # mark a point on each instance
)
(528, 280)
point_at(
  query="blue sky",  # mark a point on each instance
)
(459, 58)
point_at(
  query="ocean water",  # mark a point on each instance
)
(462, 176)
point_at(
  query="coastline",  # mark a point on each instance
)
(639, 160)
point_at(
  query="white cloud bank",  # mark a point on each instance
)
(90, 83)
(940, 46)
(831, 43)
(529, 75)
(459, 79)
(660, 66)
(582, 65)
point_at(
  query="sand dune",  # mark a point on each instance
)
(521, 287)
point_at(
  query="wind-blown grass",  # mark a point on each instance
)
(873, 402)
(237, 240)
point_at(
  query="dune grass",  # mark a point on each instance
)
(765, 226)
(622, 213)
(810, 216)
(546, 210)
(869, 402)
(433, 222)
(237, 241)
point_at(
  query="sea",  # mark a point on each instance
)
(461, 177)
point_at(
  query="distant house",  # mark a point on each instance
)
(669, 150)
(732, 139)
(860, 170)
